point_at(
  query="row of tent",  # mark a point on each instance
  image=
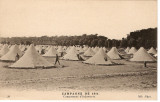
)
(88, 51)
(134, 50)
(32, 59)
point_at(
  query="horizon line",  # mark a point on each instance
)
(79, 34)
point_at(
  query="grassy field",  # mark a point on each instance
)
(75, 75)
(76, 72)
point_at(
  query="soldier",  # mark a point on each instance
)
(61, 54)
(57, 59)
(17, 56)
(145, 64)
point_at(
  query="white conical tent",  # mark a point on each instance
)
(114, 54)
(89, 52)
(132, 50)
(1, 45)
(9, 46)
(100, 58)
(27, 46)
(85, 48)
(142, 55)
(71, 55)
(77, 48)
(67, 49)
(51, 52)
(12, 53)
(104, 49)
(64, 48)
(47, 49)
(39, 48)
(155, 55)
(20, 46)
(23, 48)
(92, 48)
(44, 46)
(31, 59)
(127, 49)
(56, 47)
(81, 50)
(4, 50)
(152, 51)
(60, 49)
(96, 49)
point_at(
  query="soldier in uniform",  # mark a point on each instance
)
(57, 59)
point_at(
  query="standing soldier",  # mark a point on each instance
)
(17, 56)
(145, 64)
(57, 59)
(61, 54)
(42, 51)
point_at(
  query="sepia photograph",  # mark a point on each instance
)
(78, 49)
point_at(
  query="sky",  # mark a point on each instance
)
(113, 19)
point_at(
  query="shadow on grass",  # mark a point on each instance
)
(6, 61)
(141, 61)
(52, 67)
(114, 64)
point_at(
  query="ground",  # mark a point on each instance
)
(75, 75)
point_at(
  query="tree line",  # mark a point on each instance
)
(145, 37)
(141, 38)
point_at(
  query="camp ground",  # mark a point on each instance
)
(77, 62)
(78, 50)
(50, 67)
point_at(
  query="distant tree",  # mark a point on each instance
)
(63, 43)
(22, 43)
(71, 43)
(100, 43)
(123, 43)
(3, 42)
(89, 43)
(94, 42)
(67, 43)
(106, 43)
(8, 42)
(85, 42)
(113, 43)
(80, 42)
(140, 42)
(145, 37)
(147, 44)
(28, 42)
(154, 44)
(109, 43)
(75, 42)
(132, 42)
